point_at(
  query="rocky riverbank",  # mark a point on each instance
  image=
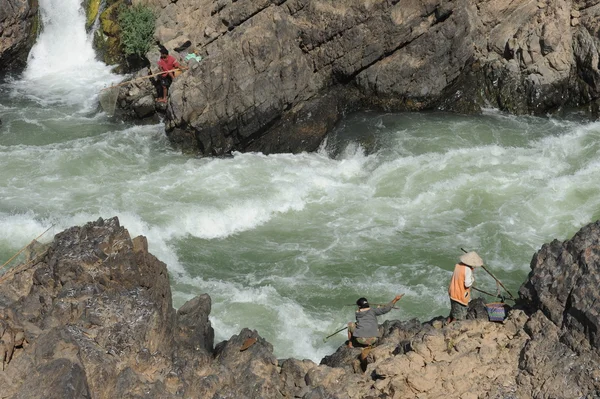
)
(277, 75)
(90, 315)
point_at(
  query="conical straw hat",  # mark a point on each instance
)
(472, 259)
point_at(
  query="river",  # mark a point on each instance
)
(285, 243)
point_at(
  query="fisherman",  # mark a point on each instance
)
(365, 332)
(460, 285)
(166, 63)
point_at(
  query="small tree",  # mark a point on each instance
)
(137, 29)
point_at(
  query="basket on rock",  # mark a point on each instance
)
(496, 311)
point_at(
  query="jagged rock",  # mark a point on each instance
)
(90, 315)
(277, 75)
(564, 280)
(11, 336)
(255, 365)
(293, 372)
(345, 358)
(91, 307)
(194, 329)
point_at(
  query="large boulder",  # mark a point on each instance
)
(562, 292)
(564, 280)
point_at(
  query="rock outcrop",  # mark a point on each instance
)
(564, 282)
(18, 30)
(90, 315)
(278, 74)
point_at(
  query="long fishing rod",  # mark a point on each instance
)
(374, 304)
(331, 335)
(485, 292)
(494, 277)
(141, 78)
(499, 282)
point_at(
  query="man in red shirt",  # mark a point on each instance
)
(166, 63)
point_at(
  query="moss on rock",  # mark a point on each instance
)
(106, 39)
(92, 8)
(109, 19)
(110, 27)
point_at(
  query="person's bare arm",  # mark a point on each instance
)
(389, 306)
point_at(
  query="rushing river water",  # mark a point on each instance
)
(284, 243)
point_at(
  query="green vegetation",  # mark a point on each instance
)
(137, 29)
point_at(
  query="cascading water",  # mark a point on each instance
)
(62, 67)
(282, 243)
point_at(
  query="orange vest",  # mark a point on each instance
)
(457, 290)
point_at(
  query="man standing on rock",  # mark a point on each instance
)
(365, 332)
(166, 63)
(460, 285)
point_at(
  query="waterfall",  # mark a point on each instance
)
(62, 67)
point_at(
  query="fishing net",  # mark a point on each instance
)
(108, 99)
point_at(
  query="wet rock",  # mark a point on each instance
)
(144, 107)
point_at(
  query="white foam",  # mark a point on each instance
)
(18, 230)
(62, 66)
(282, 321)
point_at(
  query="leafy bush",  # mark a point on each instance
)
(137, 29)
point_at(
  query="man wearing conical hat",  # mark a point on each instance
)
(460, 285)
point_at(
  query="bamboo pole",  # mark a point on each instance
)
(141, 78)
(25, 247)
(484, 292)
(499, 282)
(379, 305)
(331, 335)
(494, 277)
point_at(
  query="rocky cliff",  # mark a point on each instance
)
(278, 74)
(90, 315)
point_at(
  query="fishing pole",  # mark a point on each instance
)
(141, 78)
(499, 282)
(487, 293)
(374, 304)
(494, 277)
(331, 335)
